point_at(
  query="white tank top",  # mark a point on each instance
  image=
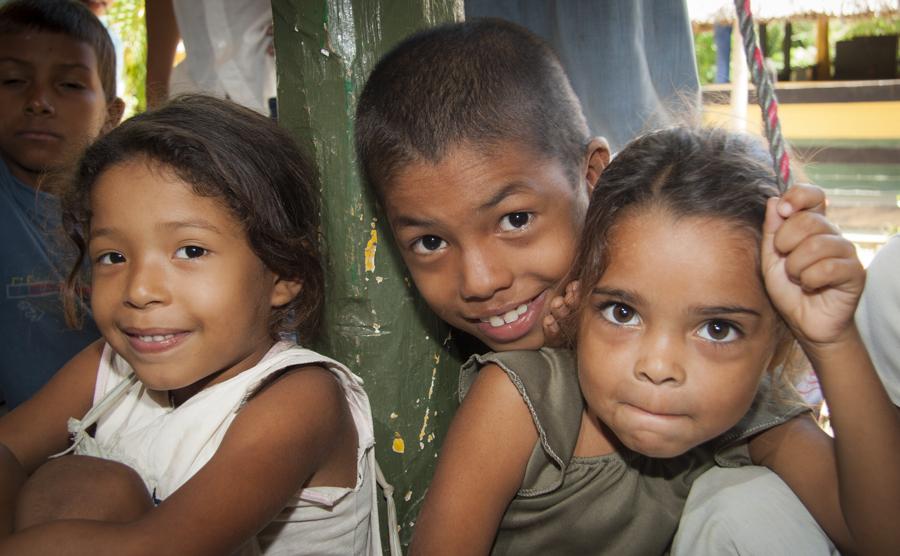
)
(167, 445)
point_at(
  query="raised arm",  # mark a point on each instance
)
(293, 433)
(479, 471)
(814, 279)
(162, 40)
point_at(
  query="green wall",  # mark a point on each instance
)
(375, 321)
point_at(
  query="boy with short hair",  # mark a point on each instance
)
(57, 94)
(477, 149)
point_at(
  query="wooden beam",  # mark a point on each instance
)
(823, 59)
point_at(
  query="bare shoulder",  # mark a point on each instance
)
(305, 402)
(480, 468)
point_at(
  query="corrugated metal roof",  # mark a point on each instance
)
(714, 11)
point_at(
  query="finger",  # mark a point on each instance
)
(816, 249)
(551, 326)
(838, 273)
(572, 291)
(800, 226)
(771, 224)
(800, 197)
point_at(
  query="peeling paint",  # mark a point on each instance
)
(424, 424)
(379, 279)
(371, 246)
(398, 445)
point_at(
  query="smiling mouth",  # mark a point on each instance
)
(508, 317)
(156, 338)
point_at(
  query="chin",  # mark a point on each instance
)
(655, 448)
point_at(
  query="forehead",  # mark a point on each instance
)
(41, 49)
(472, 178)
(143, 192)
(696, 258)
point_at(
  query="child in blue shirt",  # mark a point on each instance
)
(57, 93)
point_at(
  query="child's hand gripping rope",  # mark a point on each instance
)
(812, 274)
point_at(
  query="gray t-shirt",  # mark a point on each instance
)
(620, 503)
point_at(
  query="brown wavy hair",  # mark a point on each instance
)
(688, 172)
(237, 156)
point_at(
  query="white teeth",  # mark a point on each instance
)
(156, 338)
(507, 317)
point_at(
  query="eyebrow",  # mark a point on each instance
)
(714, 310)
(507, 191)
(626, 296)
(20, 62)
(176, 225)
(404, 221)
(705, 310)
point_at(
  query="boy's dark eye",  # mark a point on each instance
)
(111, 258)
(428, 244)
(515, 221)
(190, 252)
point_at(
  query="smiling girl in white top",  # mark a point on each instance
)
(198, 428)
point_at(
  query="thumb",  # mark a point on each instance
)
(773, 221)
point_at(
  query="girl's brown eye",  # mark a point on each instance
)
(719, 331)
(622, 313)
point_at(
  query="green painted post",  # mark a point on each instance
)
(375, 321)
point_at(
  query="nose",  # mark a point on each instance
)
(147, 285)
(660, 360)
(38, 101)
(483, 274)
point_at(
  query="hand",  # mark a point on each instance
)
(811, 273)
(802, 196)
(561, 307)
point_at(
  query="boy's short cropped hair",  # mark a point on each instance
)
(480, 83)
(69, 18)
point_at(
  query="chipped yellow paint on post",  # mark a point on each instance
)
(371, 247)
(398, 446)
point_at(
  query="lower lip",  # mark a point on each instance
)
(38, 136)
(517, 329)
(140, 346)
(651, 415)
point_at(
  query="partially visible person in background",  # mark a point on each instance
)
(631, 62)
(228, 49)
(57, 93)
(99, 9)
(878, 316)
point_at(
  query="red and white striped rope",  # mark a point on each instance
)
(765, 93)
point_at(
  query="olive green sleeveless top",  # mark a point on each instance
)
(620, 503)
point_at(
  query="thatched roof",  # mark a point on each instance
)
(719, 11)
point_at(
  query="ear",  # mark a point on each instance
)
(596, 158)
(114, 111)
(284, 291)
